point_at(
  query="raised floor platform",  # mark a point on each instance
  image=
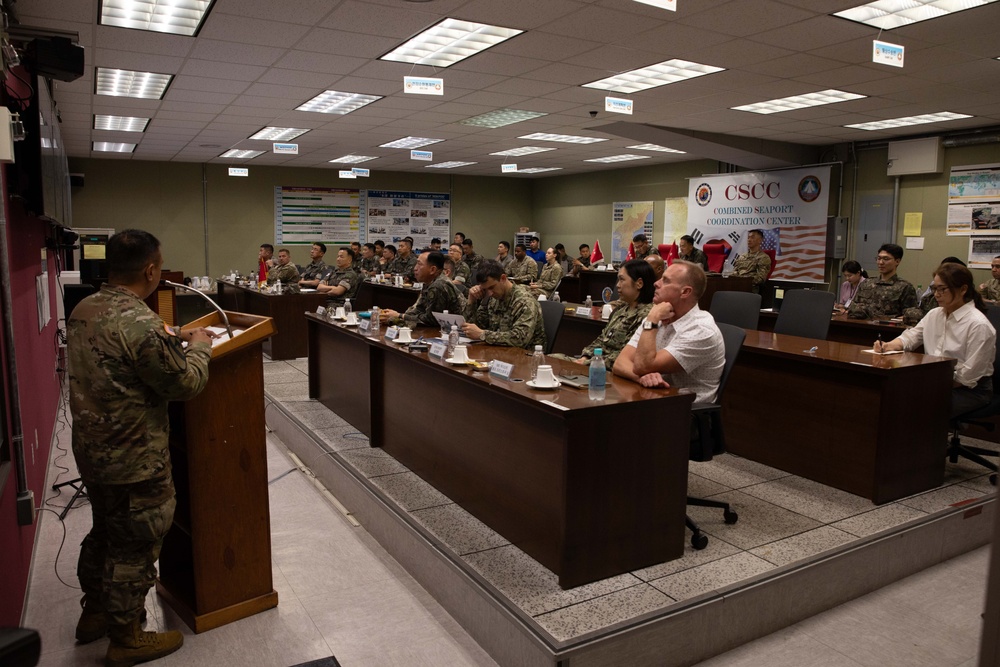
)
(799, 548)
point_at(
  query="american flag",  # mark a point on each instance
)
(803, 254)
(772, 240)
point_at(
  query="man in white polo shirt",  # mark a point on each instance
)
(678, 344)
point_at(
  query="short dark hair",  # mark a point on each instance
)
(391, 248)
(582, 246)
(893, 249)
(505, 244)
(129, 252)
(379, 242)
(322, 246)
(638, 268)
(435, 259)
(459, 234)
(435, 240)
(349, 250)
(640, 238)
(285, 250)
(408, 239)
(489, 269)
(756, 231)
(267, 246)
(371, 246)
(521, 246)
(687, 238)
(467, 242)
(559, 246)
(449, 263)
(536, 239)
(457, 245)
(355, 243)
(953, 260)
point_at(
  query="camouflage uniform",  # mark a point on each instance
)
(287, 274)
(698, 257)
(505, 261)
(618, 332)
(463, 274)
(344, 278)
(436, 296)
(755, 265)
(403, 267)
(316, 270)
(991, 291)
(368, 266)
(649, 251)
(515, 320)
(124, 366)
(878, 298)
(548, 281)
(523, 271)
(473, 261)
(914, 315)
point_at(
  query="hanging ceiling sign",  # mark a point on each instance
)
(618, 105)
(885, 53)
(420, 85)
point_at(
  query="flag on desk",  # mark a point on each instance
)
(631, 252)
(596, 255)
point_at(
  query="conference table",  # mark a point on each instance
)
(291, 339)
(845, 330)
(872, 425)
(385, 295)
(565, 479)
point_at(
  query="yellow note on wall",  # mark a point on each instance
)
(912, 223)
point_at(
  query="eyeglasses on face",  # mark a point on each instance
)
(884, 258)
(940, 289)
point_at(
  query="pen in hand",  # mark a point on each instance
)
(877, 347)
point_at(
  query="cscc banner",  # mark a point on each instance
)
(789, 206)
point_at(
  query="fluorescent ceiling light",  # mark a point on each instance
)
(501, 117)
(799, 102)
(120, 123)
(537, 170)
(889, 14)
(241, 154)
(449, 42)
(180, 17)
(353, 159)
(655, 147)
(890, 123)
(660, 74)
(128, 83)
(112, 147)
(448, 165)
(279, 133)
(411, 142)
(619, 158)
(524, 150)
(564, 138)
(332, 101)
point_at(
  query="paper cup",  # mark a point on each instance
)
(340, 313)
(545, 377)
(462, 354)
(404, 335)
(352, 318)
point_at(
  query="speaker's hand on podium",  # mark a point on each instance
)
(198, 335)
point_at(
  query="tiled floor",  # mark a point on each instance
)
(342, 595)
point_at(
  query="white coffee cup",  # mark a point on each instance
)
(340, 313)
(404, 335)
(352, 318)
(542, 297)
(606, 311)
(462, 353)
(545, 376)
(206, 282)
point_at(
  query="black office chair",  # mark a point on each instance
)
(552, 314)
(956, 449)
(707, 437)
(541, 265)
(740, 309)
(805, 313)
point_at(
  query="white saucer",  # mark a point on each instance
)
(534, 385)
(455, 362)
(349, 324)
(402, 342)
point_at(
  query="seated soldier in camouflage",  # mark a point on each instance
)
(286, 272)
(523, 269)
(886, 296)
(471, 257)
(344, 282)
(317, 269)
(636, 285)
(552, 273)
(502, 313)
(991, 288)
(369, 260)
(449, 273)
(404, 262)
(461, 274)
(437, 295)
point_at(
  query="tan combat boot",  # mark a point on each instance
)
(131, 644)
(93, 623)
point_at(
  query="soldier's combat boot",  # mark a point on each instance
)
(94, 623)
(130, 644)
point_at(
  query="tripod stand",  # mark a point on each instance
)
(78, 486)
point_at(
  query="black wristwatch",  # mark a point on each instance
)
(647, 325)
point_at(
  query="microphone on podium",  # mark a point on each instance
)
(225, 318)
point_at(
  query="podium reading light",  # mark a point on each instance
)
(225, 318)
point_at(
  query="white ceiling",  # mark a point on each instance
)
(254, 61)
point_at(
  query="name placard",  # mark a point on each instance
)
(365, 326)
(320, 310)
(438, 350)
(501, 369)
(583, 311)
(391, 333)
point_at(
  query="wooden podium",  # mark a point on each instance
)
(215, 566)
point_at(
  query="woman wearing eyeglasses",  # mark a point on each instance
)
(958, 329)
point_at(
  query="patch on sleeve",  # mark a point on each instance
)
(169, 329)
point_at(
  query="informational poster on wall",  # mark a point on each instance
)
(629, 218)
(675, 216)
(982, 249)
(305, 215)
(789, 206)
(392, 216)
(974, 200)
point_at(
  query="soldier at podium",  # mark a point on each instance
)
(124, 365)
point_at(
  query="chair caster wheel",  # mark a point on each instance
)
(730, 516)
(699, 541)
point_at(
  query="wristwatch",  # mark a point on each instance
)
(647, 325)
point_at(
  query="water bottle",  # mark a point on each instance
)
(555, 297)
(278, 291)
(537, 359)
(452, 340)
(375, 322)
(347, 308)
(598, 376)
(589, 303)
